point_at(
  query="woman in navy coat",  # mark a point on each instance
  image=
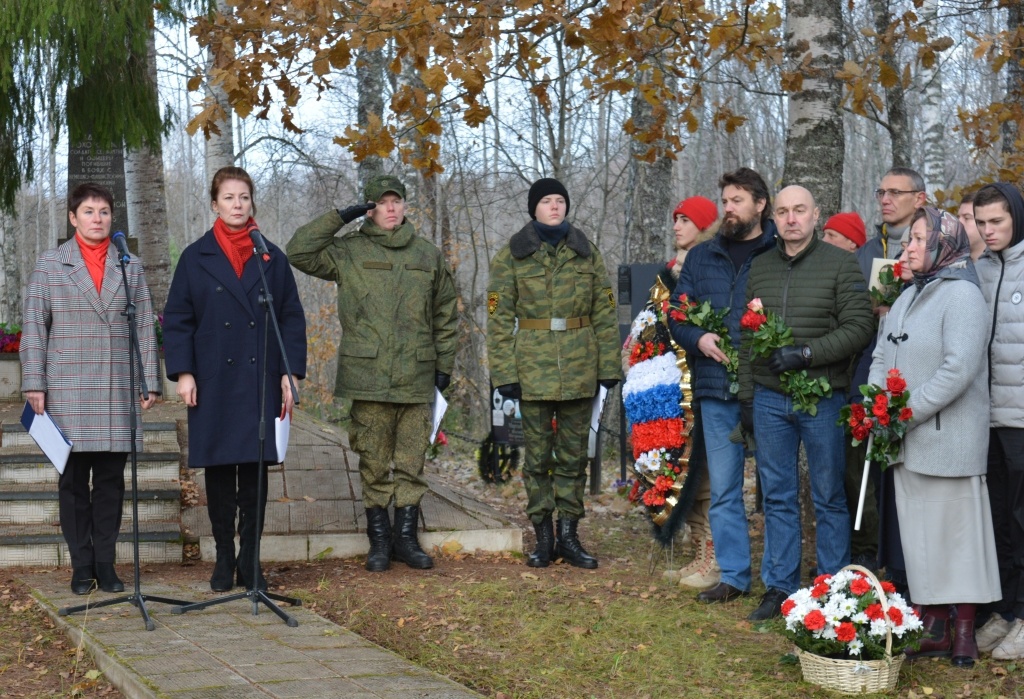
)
(214, 328)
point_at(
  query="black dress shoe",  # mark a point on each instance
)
(107, 578)
(722, 592)
(771, 605)
(83, 580)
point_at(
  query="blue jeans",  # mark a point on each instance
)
(725, 470)
(778, 430)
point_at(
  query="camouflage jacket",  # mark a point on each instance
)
(531, 281)
(396, 304)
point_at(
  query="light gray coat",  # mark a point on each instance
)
(74, 347)
(1002, 282)
(942, 358)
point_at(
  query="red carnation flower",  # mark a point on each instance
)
(888, 588)
(814, 621)
(752, 321)
(823, 578)
(846, 632)
(895, 383)
(819, 590)
(906, 414)
(896, 616)
(874, 611)
(859, 586)
(787, 607)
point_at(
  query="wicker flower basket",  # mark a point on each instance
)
(855, 676)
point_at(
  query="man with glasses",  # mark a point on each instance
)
(901, 193)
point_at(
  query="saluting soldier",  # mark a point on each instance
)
(397, 307)
(551, 340)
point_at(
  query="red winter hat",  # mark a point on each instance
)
(701, 210)
(849, 225)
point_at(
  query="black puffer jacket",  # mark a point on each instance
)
(821, 295)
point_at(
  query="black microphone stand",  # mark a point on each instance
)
(254, 593)
(135, 355)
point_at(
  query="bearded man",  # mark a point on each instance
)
(716, 271)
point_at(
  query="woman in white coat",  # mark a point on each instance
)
(936, 335)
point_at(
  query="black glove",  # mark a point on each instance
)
(442, 380)
(747, 415)
(353, 212)
(787, 359)
(511, 390)
(608, 383)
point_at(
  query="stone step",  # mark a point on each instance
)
(156, 436)
(37, 503)
(43, 545)
(27, 465)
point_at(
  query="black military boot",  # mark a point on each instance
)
(406, 543)
(378, 529)
(542, 555)
(569, 547)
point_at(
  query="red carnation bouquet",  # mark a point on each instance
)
(768, 333)
(890, 285)
(704, 316)
(882, 417)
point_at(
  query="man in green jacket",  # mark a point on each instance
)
(397, 307)
(819, 292)
(551, 340)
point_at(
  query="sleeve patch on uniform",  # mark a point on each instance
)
(611, 297)
(492, 303)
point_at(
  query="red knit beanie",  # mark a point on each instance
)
(849, 225)
(701, 210)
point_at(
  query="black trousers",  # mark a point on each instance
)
(90, 518)
(1006, 495)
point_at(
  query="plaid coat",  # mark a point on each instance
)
(74, 347)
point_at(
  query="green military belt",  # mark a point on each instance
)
(553, 323)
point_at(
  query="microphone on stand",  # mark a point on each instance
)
(259, 244)
(121, 243)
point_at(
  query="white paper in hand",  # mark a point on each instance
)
(597, 407)
(48, 436)
(282, 428)
(438, 410)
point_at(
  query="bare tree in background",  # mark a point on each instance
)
(897, 121)
(933, 128)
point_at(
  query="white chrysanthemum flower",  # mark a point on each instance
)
(650, 461)
(855, 646)
(847, 605)
(644, 320)
(829, 632)
(658, 371)
(801, 596)
(878, 628)
(859, 618)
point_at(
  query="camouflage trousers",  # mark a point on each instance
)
(383, 433)
(555, 473)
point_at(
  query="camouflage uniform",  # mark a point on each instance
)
(566, 342)
(397, 307)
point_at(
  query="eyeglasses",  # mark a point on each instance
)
(881, 194)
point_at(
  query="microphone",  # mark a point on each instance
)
(259, 244)
(121, 243)
(897, 339)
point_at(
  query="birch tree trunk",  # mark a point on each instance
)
(147, 203)
(649, 190)
(815, 140)
(370, 88)
(895, 100)
(220, 147)
(933, 129)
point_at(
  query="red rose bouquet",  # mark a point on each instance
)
(704, 316)
(890, 285)
(882, 417)
(842, 616)
(768, 333)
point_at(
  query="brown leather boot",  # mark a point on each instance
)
(965, 647)
(937, 641)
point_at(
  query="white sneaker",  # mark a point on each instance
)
(1012, 645)
(991, 633)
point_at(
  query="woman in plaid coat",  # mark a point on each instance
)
(75, 365)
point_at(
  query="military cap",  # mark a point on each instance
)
(381, 185)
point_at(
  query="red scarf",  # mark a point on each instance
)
(95, 257)
(237, 245)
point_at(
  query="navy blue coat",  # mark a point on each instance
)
(709, 275)
(214, 330)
